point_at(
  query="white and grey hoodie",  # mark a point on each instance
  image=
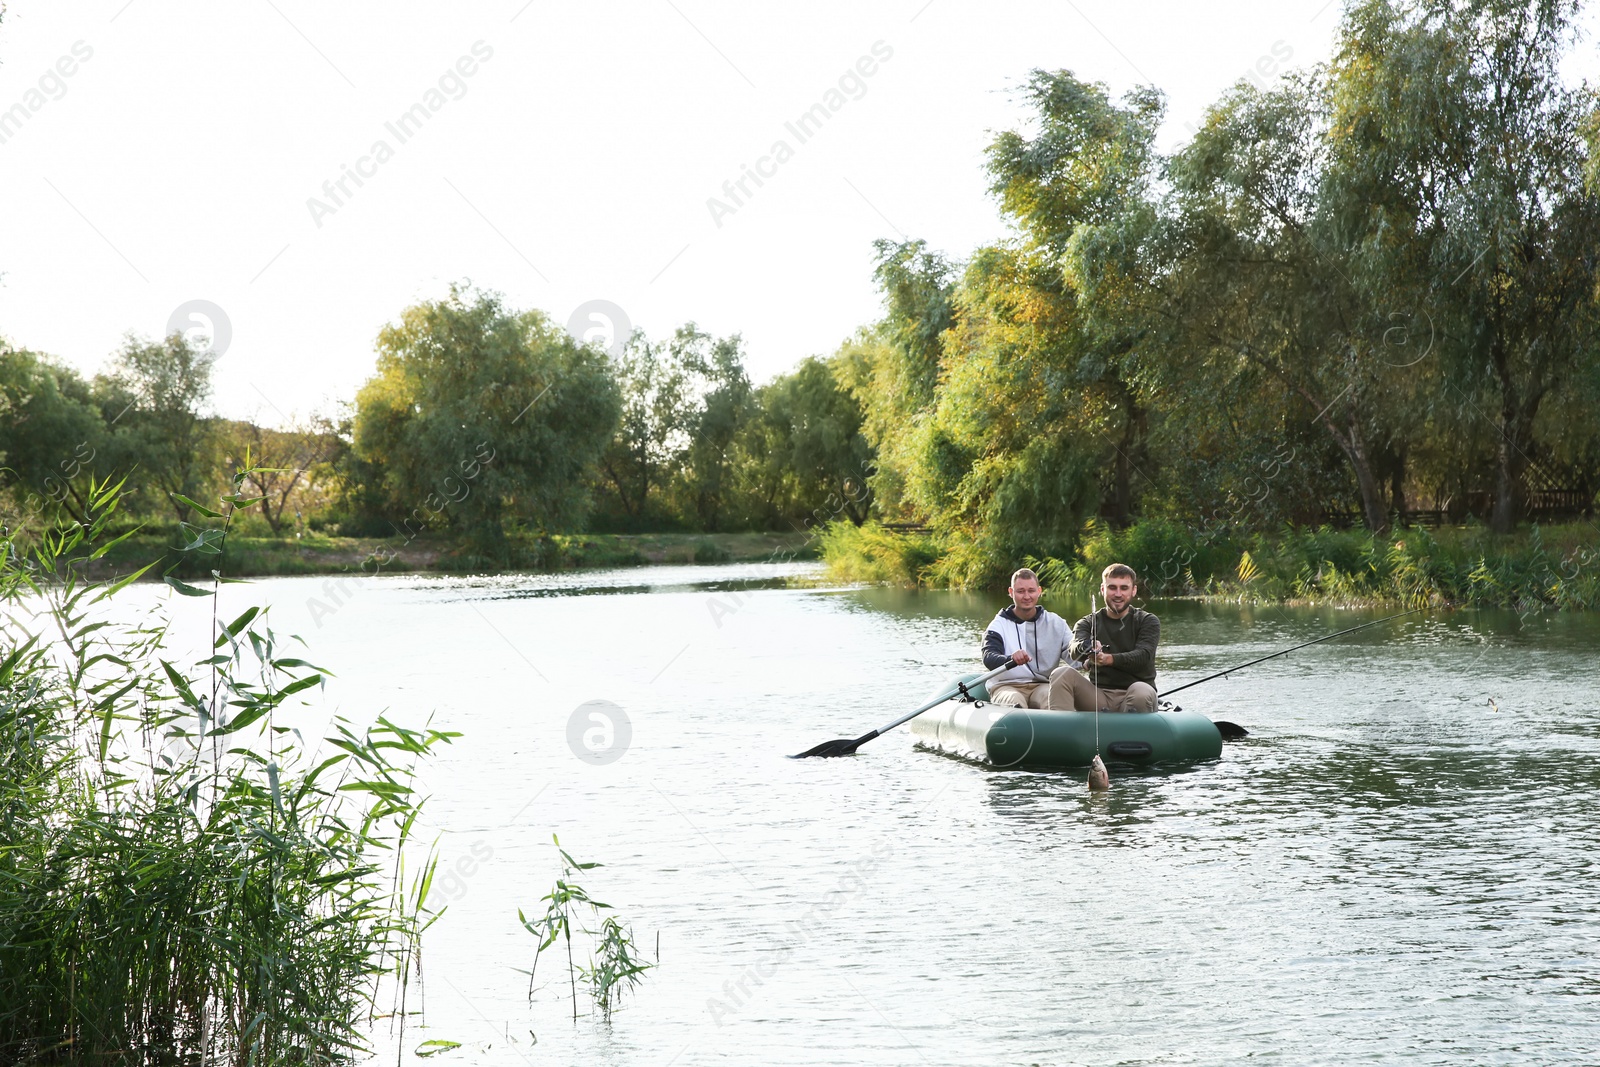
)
(1046, 637)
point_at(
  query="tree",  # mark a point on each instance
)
(477, 414)
(639, 459)
(1455, 127)
(51, 434)
(685, 402)
(804, 456)
(284, 465)
(1007, 462)
(1257, 280)
(1087, 172)
(892, 368)
(153, 401)
(723, 404)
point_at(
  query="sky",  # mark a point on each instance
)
(247, 171)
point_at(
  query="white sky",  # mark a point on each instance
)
(178, 162)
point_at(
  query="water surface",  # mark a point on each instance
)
(1398, 865)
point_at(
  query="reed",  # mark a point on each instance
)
(614, 968)
(182, 878)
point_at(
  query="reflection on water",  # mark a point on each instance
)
(1398, 864)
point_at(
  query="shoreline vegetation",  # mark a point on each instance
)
(1536, 568)
(315, 553)
(1548, 567)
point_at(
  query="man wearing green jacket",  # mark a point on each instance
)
(1117, 645)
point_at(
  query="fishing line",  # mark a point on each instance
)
(1095, 652)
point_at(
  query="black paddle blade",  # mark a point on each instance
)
(1230, 731)
(841, 747)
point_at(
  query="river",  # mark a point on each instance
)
(1398, 865)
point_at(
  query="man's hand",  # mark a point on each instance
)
(1102, 659)
(1020, 657)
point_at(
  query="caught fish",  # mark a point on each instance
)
(1099, 777)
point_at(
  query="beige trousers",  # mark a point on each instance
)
(1070, 689)
(1022, 694)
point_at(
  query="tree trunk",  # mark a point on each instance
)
(1372, 503)
(1516, 432)
(1355, 453)
(1397, 486)
(1121, 513)
(1507, 485)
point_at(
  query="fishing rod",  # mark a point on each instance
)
(1285, 652)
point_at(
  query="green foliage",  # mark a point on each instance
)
(686, 405)
(871, 553)
(698, 448)
(153, 400)
(50, 435)
(180, 879)
(892, 370)
(477, 416)
(1464, 153)
(706, 481)
(291, 470)
(1555, 568)
(1170, 558)
(805, 459)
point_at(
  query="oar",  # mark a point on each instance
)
(1228, 728)
(847, 747)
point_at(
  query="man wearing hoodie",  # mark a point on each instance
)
(1036, 642)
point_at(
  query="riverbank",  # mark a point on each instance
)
(1551, 567)
(315, 553)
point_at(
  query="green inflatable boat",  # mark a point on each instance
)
(1005, 736)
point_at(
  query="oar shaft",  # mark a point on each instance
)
(1285, 652)
(942, 697)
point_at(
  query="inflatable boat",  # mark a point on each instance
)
(1004, 736)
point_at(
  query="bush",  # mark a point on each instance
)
(870, 553)
(1450, 567)
(1557, 567)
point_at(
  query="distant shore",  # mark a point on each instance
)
(314, 553)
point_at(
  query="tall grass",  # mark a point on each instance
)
(182, 878)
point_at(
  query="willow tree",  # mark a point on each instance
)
(154, 398)
(478, 414)
(892, 368)
(685, 402)
(1453, 123)
(1028, 410)
(706, 482)
(1257, 279)
(803, 458)
(1089, 168)
(1008, 459)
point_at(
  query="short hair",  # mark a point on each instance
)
(1119, 570)
(1023, 572)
